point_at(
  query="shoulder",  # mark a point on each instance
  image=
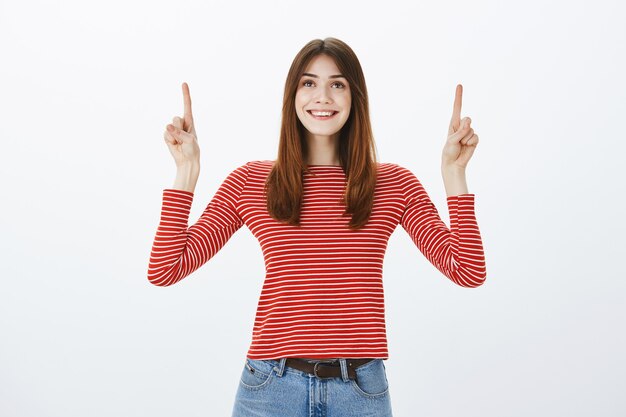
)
(402, 178)
(395, 170)
(263, 163)
(260, 164)
(259, 167)
(252, 171)
(385, 168)
(254, 165)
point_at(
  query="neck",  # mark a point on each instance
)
(323, 150)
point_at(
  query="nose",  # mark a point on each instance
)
(323, 97)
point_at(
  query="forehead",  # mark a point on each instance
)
(323, 65)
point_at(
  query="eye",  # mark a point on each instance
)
(340, 84)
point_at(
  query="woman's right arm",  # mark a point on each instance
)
(178, 250)
(182, 141)
(187, 177)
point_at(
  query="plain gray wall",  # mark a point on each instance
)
(86, 92)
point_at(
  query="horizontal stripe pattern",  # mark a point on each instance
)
(322, 295)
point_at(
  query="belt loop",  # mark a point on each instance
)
(280, 368)
(344, 370)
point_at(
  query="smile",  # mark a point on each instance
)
(322, 115)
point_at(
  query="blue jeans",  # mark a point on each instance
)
(267, 388)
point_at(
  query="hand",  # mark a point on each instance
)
(462, 141)
(180, 135)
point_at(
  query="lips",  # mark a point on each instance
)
(317, 117)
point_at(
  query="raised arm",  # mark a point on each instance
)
(178, 250)
(458, 251)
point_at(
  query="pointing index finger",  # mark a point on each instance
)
(187, 100)
(456, 110)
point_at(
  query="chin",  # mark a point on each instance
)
(324, 133)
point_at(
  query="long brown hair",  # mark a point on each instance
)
(357, 153)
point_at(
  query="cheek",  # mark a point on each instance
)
(348, 105)
(300, 103)
(348, 108)
(345, 99)
(301, 96)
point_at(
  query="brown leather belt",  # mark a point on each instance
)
(326, 368)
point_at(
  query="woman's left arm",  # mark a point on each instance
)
(457, 252)
(460, 145)
(454, 181)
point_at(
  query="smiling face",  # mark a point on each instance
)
(322, 88)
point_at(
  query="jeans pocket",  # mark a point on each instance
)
(256, 374)
(371, 379)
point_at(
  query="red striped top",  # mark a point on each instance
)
(322, 296)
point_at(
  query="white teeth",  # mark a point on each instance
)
(322, 113)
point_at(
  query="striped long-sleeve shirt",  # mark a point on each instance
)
(322, 295)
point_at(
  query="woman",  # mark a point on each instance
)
(323, 212)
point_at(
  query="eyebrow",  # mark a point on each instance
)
(317, 76)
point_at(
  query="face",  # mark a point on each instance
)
(323, 88)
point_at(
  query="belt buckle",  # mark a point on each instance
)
(315, 369)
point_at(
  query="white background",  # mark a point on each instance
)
(87, 89)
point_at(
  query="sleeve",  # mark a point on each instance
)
(178, 250)
(456, 252)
